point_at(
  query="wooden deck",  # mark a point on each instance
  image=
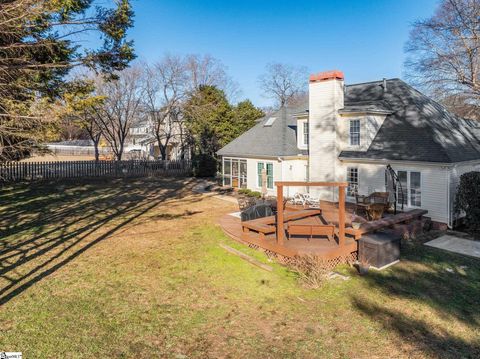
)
(297, 246)
(317, 246)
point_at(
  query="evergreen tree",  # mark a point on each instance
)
(39, 45)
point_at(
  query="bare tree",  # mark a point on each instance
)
(166, 85)
(121, 107)
(209, 71)
(444, 58)
(283, 83)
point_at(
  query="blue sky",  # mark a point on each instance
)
(363, 38)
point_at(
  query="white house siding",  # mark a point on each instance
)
(294, 170)
(456, 171)
(283, 170)
(369, 126)
(434, 184)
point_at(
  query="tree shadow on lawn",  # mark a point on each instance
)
(448, 284)
(46, 226)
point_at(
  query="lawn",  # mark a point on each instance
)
(133, 269)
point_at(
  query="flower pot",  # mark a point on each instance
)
(363, 269)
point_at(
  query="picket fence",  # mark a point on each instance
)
(32, 171)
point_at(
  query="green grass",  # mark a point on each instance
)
(134, 270)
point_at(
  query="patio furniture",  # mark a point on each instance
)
(298, 198)
(373, 205)
(256, 211)
(311, 230)
(312, 202)
(305, 199)
(272, 202)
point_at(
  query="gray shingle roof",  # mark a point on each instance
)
(378, 106)
(416, 128)
(268, 141)
(419, 129)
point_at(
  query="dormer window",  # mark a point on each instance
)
(354, 132)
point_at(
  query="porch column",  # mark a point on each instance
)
(341, 215)
(280, 230)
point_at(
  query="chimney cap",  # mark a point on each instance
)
(327, 75)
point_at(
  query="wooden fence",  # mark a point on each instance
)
(32, 171)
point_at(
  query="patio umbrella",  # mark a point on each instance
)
(264, 183)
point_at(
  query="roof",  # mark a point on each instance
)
(418, 129)
(379, 106)
(277, 140)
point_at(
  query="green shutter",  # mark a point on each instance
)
(259, 173)
(270, 175)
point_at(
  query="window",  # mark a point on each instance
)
(410, 193)
(352, 179)
(354, 132)
(305, 133)
(269, 169)
(227, 172)
(269, 122)
(415, 189)
(234, 172)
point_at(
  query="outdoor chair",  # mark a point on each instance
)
(374, 205)
(298, 198)
(305, 199)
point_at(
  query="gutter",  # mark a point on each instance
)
(387, 161)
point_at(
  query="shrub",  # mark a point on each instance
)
(204, 166)
(312, 271)
(255, 194)
(467, 199)
(249, 193)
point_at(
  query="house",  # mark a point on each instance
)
(142, 142)
(351, 133)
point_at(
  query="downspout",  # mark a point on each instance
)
(279, 159)
(450, 216)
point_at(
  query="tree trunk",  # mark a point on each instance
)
(96, 141)
(97, 154)
(163, 152)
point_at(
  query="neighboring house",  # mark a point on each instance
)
(351, 133)
(142, 142)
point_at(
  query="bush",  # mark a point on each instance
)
(204, 166)
(467, 199)
(249, 193)
(312, 271)
(255, 194)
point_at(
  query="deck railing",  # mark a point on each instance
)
(32, 171)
